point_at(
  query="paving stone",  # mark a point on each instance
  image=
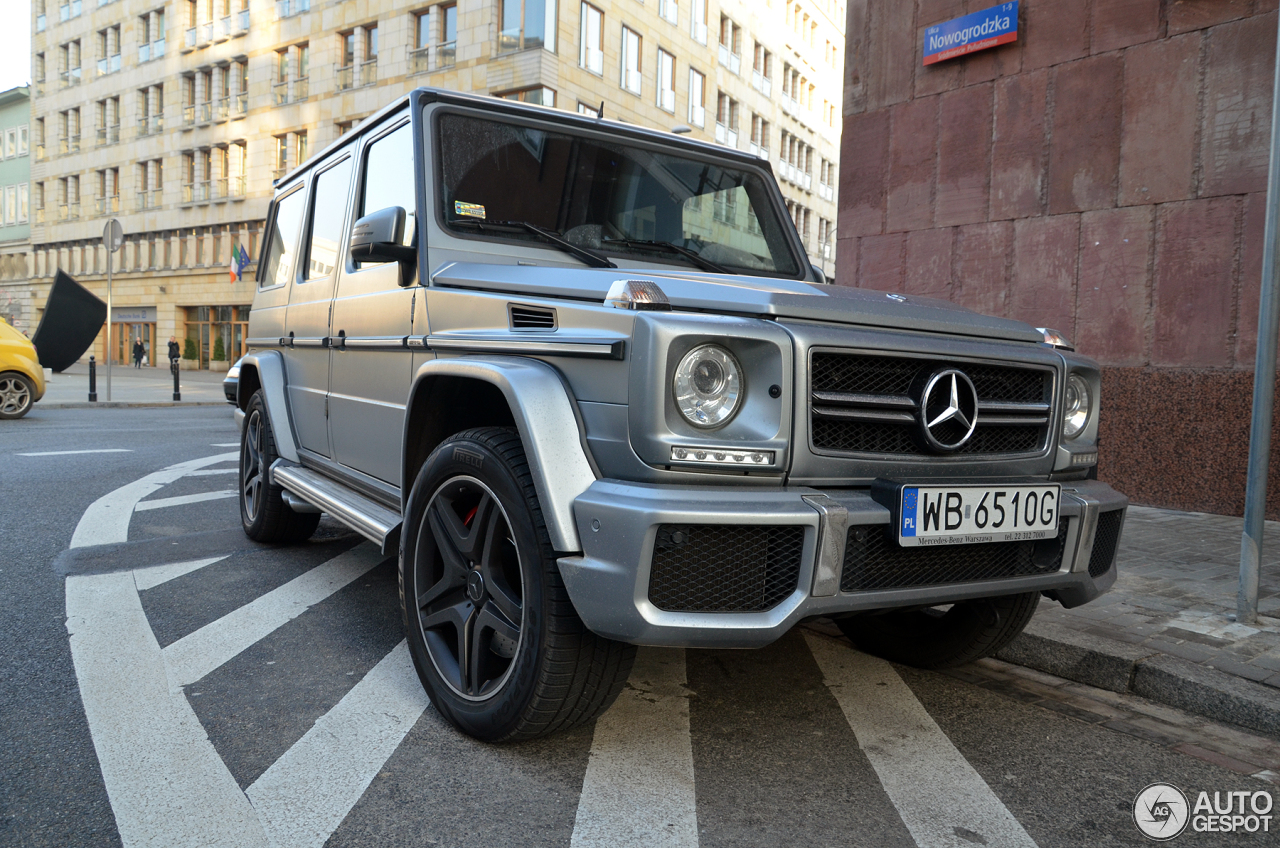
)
(1226, 762)
(1195, 653)
(1150, 734)
(1240, 669)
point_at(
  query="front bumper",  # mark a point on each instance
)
(619, 523)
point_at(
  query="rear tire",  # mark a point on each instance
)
(932, 638)
(17, 394)
(493, 634)
(263, 513)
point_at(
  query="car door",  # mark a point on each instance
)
(310, 301)
(372, 315)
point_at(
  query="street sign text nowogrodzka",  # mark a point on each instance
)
(971, 33)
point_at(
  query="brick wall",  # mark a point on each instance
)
(1104, 175)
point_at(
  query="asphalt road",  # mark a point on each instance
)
(167, 682)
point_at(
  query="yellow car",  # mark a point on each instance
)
(21, 377)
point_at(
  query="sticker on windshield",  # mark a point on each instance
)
(474, 210)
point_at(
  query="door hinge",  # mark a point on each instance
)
(326, 407)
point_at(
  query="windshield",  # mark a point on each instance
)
(609, 197)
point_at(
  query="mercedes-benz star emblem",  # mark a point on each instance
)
(948, 410)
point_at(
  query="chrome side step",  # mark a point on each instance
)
(367, 517)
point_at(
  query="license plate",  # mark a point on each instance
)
(966, 515)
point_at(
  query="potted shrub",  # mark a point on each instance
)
(190, 356)
(218, 360)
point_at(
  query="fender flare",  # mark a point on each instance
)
(269, 364)
(547, 422)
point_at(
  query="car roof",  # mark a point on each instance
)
(514, 108)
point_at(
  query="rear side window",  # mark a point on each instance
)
(284, 240)
(328, 213)
(388, 177)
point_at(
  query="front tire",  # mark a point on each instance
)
(263, 513)
(934, 638)
(17, 394)
(493, 634)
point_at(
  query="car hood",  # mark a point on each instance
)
(743, 295)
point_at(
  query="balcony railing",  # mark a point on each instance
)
(149, 198)
(667, 100)
(285, 8)
(205, 112)
(206, 32)
(40, 215)
(70, 143)
(157, 49)
(434, 57)
(278, 173)
(70, 77)
(189, 38)
(301, 88)
(826, 192)
(38, 85)
(224, 28)
(699, 32)
(108, 205)
(201, 193)
(758, 150)
(68, 211)
(109, 134)
(730, 60)
(698, 116)
(369, 71)
(189, 114)
(109, 65)
(41, 24)
(242, 21)
(239, 105)
(280, 92)
(344, 78)
(150, 124)
(39, 151)
(144, 53)
(218, 189)
(222, 108)
(235, 186)
(726, 136)
(761, 83)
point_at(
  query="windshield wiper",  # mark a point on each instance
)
(550, 237)
(669, 247)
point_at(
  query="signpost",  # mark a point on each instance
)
(112, 238)
(971, 33)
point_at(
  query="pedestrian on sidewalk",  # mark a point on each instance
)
(174, 353)
(138, 352)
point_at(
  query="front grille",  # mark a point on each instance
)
(873, 560)
(867, 405)
(724, 567)
(1105, 541)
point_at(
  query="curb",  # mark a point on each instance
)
(1129, 669)
(125, 404)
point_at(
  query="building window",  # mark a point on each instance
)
(539, 94)
(726, 120)
(631, 42)
(300, 141)
(591, 52)
(282, 157)
(23, 202)
(527, 24)
(668, 11)
(10, 142)
(697, 98)
(22, 140)
(345, 74)
(698, 20)
(436, 38)
(730, 50)
(584, 109)
(666, 81)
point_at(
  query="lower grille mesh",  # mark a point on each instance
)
(1105, 541)
(724, 567)
(873, 560)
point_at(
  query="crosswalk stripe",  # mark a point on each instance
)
(639, 785)
(942, 800)
(305, 795)
(213, 472)
(153, 576)
(183, 500)
(196, 654)
(167, 785)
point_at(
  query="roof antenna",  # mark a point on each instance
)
(600, 114)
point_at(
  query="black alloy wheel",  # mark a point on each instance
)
(263, 513)
(253, 471)
(471, 604)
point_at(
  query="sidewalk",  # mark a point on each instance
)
(131, 386)
(1167, 631)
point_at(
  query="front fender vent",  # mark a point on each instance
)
(531, 317)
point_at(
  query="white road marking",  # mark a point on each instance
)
(935, 790)
(196, 654)
(72, 452)
(155, 575)
(167, 785)
(106, 521)
(639, 785)
(182, 500)
(225, 445)
(210, 472)
(307, 793)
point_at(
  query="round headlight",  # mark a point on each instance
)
(708, 386)
(1079, 406)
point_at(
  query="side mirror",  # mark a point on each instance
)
(818, 275)
(376, 237)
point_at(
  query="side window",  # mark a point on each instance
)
(284, 240)
(388, 177)
(328, 211)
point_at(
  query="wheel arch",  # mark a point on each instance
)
(451, 395)
(265, 370)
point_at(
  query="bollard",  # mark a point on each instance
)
(173, 366)
(93, 380)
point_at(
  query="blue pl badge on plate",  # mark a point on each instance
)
(977, 31)
(908, 518)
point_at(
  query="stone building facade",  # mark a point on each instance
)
(175, 117)
(15, 206)
(1104, 175)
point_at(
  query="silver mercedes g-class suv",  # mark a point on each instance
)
(582, 376)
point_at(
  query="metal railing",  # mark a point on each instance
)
(761, 83)
(206, 112)
(109, 65)
(726, 136)
(189, 114)
(218, 189)
(108, 205)
(369, 71)
(189, 38)
(221, 108)
(150, 125)
(224, 28)
(344, 78)
(278, 173)
(758, 150)
(730, 60)
(235, 186)
(280, 92)
(69, 77)
(239, 105)
(433, 57)
(109, 134)
(242, 21)
(206, 32)
(157, 49)
(41, 23)
(70, 143)
(698, 116)
(144, 53)
(285, 8)
(201, 192)
(301, 88)
(149, 198)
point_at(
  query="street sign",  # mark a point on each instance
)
(113, 235)
(977, 31)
